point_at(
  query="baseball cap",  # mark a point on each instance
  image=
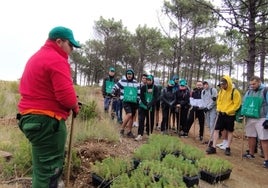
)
(183, 82)
(171, 82)
(111, 69)
(63, 33)
(149, 77)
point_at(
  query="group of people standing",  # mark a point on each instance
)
(181, 106)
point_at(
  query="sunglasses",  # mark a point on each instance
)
(68, 42)
(71, 46)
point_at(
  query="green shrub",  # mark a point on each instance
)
(88, 111)
(20, 163)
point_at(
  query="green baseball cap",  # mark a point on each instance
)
(183, 82)
(149, 77)
(171, 82)
(111, 69)
(63, 33)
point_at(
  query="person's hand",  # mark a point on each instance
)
(178, 105)
(149, 105)
(223, 113)
(240, 118)
(265, 124)
(214, 98)
(195, 107)
(75, 111)
(206, 110)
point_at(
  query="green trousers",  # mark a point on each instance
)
(47, 136)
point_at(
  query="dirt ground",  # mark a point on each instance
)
(246, 173)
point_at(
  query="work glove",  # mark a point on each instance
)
(265, 124)
(206, 110)
(75, 111)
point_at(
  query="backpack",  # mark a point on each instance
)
(203, 92)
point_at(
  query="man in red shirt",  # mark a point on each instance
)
(47, 97)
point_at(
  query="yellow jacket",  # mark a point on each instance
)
(224, 100)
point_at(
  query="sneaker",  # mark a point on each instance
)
(61, 184)
(138, 138)
(248, 156)
(211, 150)
(122, 132)
(135, 124)
(265, 164)
(221, 144)
(130, 135)
(227, 151)
(223, 147)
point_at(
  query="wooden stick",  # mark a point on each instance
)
(69, 157)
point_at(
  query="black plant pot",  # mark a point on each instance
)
(98, 181)
(176, 153)
(214, 178)
(191, 181)
(136, 163)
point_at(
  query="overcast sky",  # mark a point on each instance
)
(25, 24)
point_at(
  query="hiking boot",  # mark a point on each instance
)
(122, 132)
(185, 135)
(130, 135)
(265, 164)
(227, 151)
(138, 138)
(209, 143)
(211, 150)
(248, 156)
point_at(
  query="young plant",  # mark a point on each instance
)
(111, 167)
(214, 165)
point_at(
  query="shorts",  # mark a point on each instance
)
(225, 122)
(254, 128)
(130, 107)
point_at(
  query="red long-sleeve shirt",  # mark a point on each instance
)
(46, 83)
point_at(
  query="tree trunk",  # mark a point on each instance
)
(251, 40)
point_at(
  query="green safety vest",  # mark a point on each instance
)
(148, 98)
(130, 94)
(109, 86)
